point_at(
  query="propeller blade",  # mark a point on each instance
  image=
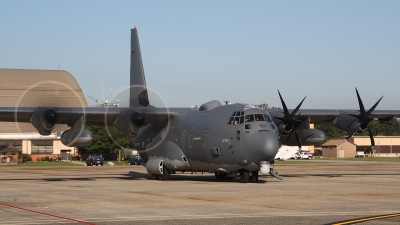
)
(360, 103)
(297, 118)
(352, 133)
(285, 109)
(290, 134)
(373, 107)
(297, 137)
(298, 107)
(371, 136)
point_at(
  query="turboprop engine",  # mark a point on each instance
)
(44, 120)
(129, 122)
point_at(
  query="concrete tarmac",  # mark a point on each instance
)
(322, 193)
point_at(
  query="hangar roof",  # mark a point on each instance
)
(27, 87)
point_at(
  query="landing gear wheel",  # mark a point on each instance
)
(244, 176)
(155, 177)
(165, 175)
(254, 177)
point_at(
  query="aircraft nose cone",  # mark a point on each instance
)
(262, 146)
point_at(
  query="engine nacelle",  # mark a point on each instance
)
(44, 120)
(391, 120)
(77, 137)
(130, 122)
(346, 122)
(306, 136)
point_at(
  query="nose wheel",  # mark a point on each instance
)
(254, 177)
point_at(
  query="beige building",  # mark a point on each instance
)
(385, 146)
(338, 149)
(23, 87)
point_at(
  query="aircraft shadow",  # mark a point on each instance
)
(196, 177)
(206, 177)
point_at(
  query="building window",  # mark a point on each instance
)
(41, 147)
(11, 143)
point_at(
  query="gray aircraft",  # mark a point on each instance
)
(231, 140)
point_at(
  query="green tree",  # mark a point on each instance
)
(330, 130)
(102, 139)
(378, 129)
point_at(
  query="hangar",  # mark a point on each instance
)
(27, 87)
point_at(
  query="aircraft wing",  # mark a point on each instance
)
(126, 119)
(351, 121)
(329, 115)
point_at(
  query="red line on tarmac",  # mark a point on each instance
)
(365, 219)
(47, 214)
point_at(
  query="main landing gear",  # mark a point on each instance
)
(165, 176)
(248, 177)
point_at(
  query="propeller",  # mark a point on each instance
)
(364, 118)
(290, 120)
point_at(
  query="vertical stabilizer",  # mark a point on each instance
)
(138, 89)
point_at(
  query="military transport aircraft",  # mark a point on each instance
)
(231, 140)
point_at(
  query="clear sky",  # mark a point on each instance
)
(197, 51)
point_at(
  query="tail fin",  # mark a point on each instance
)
(138, 89)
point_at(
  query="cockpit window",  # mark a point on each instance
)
(235, 118)
(267, 118)
(259, 117)
(248, 118)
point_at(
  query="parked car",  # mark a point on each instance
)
(135, 160)
(94, 160)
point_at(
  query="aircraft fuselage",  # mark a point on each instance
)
(225, 139)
